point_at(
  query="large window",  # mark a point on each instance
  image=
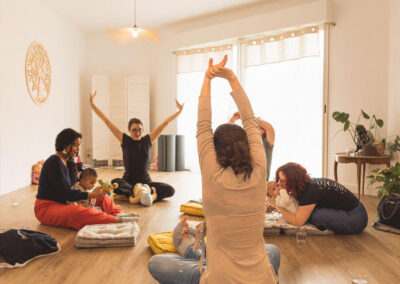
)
(284, 82)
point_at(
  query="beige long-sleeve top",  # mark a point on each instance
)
(234, 209)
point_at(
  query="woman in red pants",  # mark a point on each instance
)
(59, 172)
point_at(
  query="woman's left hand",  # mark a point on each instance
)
(179, 106)
(97, 192)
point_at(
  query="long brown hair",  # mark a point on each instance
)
(296, 178)
(232, 149)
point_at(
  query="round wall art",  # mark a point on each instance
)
(37, 73)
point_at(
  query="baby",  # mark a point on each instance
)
(142, 194)
(87, 180)
(282, 197)
(183, 237)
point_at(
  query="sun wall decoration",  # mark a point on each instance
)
(37, 73)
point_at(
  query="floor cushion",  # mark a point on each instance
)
(192, 208)
(161, 243)
(107, 235)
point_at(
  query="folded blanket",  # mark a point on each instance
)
(275, 224)
(107, 235)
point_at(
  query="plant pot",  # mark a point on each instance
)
(380, 147)
(369, 150)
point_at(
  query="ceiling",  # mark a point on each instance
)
(92, 16)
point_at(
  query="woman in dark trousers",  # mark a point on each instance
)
(136, 153)
(323, 202)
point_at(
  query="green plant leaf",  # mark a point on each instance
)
(340, 116)
(364, 114)
(379, 122)
(346, 125)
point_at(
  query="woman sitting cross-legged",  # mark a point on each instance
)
(322, 202)
(58, 174)
(136, 154)
(232, 163)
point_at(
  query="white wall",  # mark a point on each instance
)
(28, 131)
(358, 73)
(394, 70)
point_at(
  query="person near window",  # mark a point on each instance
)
(324, 203)
(136, 153)
(232, 166)
(268, 138)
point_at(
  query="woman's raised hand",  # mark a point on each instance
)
(219, 70)
(234, 117)
(179, 106)
(92, 96)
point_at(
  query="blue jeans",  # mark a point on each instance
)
(340, 221)
(174, 269)
(189, 253)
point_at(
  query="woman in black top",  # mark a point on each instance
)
(136, 153)
(323, 203)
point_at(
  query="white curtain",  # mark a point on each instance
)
(282, 47)
(196, 59)
(191, 66)
(289, 95)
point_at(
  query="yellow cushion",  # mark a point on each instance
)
(192, 208)
(161, 243)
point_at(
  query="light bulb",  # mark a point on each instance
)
(135, 33)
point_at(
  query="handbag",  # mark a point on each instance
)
(18, 247)
(388, 213)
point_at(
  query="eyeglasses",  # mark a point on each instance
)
(136, 130)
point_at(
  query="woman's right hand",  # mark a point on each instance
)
(92, 96)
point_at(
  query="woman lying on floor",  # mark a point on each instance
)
(232, 163)
(322, 202)
(58, 174)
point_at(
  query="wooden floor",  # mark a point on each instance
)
(372, 255)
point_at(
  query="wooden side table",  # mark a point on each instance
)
(360, 161)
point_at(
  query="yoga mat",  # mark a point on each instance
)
(180, 153)
(162, 166)
(170, 147)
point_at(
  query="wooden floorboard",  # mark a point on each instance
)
(372, 255)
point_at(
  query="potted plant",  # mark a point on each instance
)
(362, 137)
(389, 179)
(394, 146)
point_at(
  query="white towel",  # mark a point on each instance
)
(275, 220)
